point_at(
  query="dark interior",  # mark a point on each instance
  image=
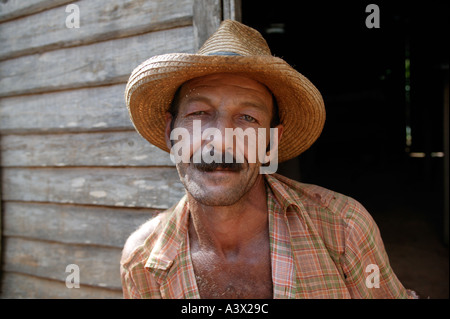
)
(383, 141)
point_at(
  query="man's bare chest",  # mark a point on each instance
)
(248, 277)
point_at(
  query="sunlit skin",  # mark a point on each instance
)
(228, 227)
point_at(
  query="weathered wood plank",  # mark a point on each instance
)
(206, 20)
(99, 21)
(88, 109)
(12, 9)
(99, 266)
(20, 286)
(102, 63)
(72, 224)
(154, 187)
(85, 149)
(232, 9)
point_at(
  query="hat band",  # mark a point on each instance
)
(224, 53)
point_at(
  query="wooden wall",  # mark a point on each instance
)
(76, 179)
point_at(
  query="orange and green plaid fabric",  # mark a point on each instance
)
(321, 244)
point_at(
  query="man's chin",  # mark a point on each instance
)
(216, 196)
(216, 188)
(219, 187)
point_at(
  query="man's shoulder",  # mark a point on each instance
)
(319, 200)
(333, 200)
(136, 241)
(337, 208)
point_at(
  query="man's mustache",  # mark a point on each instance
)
(223, 165)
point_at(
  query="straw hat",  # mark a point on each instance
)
(233, 48)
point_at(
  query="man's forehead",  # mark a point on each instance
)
(225, 80)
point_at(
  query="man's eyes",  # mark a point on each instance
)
(198, 113)
(245, 117)
(248, 118)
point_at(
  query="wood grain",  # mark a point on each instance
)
(87, 109)
(84, 149)
(158, 188)
(12, 9)
(20, 286)
(206, 20)
(99, 266)
(72, 224)
(99, 21)
(102, 63)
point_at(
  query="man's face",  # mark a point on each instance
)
(221, 101)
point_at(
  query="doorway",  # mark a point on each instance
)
(383, 141)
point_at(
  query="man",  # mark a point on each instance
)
(238, 233)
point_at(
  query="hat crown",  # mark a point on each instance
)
(234, 38)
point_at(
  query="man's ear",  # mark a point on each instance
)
(168, 130)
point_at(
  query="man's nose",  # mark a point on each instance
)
(221, 141)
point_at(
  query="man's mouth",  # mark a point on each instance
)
(220, 165)
(212, 167)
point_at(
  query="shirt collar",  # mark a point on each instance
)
(172, 233)
(285, 193)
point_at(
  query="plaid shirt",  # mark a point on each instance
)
(320, 243)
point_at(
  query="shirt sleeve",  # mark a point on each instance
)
(129, 287)
(365, 263)
(138, 282)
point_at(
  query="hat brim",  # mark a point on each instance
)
(152, 85)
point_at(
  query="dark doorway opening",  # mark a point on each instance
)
(384, 138)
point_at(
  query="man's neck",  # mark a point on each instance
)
(227, 229)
